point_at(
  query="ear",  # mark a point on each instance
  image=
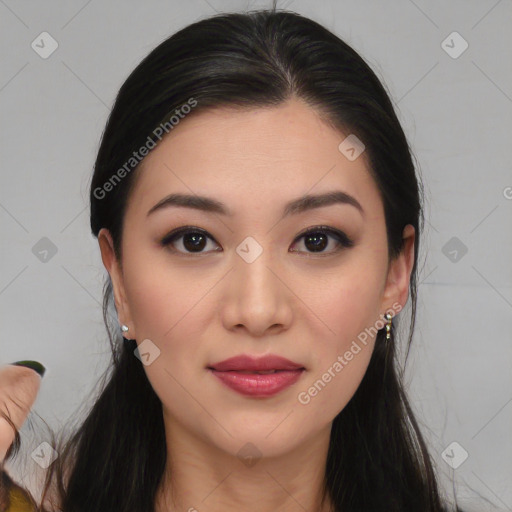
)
(396, 290)
(114, 269)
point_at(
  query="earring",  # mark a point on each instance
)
(389, 318)
(124, 328)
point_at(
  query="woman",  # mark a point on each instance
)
(259, 215)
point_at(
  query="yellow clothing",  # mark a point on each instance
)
(20, 501)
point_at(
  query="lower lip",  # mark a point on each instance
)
(257, 384)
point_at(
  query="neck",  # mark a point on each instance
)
(200, 476)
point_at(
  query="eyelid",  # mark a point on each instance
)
(343, 240)
(336, 233)
(183, 230)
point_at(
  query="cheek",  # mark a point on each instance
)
(161, 297)
(173, 310)
(349, 306)
(152, 305)
(340, 364)
(327, 393)
(169, 309)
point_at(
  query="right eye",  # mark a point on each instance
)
(190, 239)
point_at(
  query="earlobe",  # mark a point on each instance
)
(398, 279)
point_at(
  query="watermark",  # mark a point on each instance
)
(249, 454)
(454, 45)
(44, 45)
(454, 249)
(304, 397)
(147, 352)
(351, 147)
(454, 455)
(44, 249)
(137, 156)
(44, 455)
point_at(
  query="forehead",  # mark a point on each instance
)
(250, 158)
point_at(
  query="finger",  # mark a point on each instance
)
(7, 435)
(18, 391)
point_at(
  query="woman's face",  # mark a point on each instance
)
(247, 280)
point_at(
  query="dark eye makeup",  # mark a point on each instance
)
(317, 237)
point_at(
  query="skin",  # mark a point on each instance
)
(18, 391)
(203, 309)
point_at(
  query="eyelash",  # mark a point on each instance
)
(343, 240)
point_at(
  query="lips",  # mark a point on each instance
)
(260, 377)
(248, 364)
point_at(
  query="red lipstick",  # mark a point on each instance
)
(257, 376)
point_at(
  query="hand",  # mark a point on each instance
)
(19, 386)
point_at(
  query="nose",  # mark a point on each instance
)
(257, 297)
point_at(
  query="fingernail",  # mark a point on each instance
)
(38, 367)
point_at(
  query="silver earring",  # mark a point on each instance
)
(124, 328)
(388, 318)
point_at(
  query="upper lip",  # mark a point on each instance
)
(250, 363)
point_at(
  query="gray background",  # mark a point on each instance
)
(456, 113)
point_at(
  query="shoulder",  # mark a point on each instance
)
(15, 498)
(20, 500)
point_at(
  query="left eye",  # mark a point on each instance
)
(194, 240)
(317, 239)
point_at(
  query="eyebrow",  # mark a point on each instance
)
(296, 206)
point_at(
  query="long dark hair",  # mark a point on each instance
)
(377, 458)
